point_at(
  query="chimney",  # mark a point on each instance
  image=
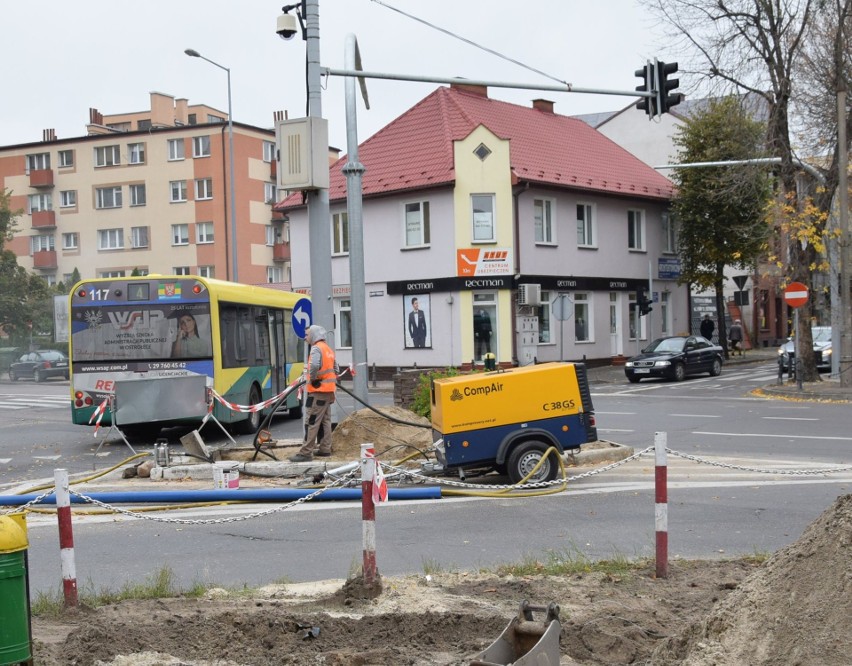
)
(472, 88)
(48, 135)
(95, 117)
(544, 105)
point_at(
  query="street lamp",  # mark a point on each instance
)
(195, 54)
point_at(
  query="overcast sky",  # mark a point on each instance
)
(60, 58)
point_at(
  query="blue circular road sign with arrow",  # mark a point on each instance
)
(302, 316)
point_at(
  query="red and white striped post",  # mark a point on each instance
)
(368, 512)
(66, 536)
(661, 504)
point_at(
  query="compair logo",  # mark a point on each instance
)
(455, 395)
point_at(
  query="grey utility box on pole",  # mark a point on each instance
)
(303, 153)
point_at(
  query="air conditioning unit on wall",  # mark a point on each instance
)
(529, 294)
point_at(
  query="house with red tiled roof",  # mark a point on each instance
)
(491, 227)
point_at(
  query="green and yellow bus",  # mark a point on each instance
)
(240, 337)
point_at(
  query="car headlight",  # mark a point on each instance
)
(629, 364)
(662, 363)
(781, 352)
(826, 352)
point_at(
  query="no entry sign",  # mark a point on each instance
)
(796, 295)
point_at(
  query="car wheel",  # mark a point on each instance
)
(12, 376)
(252, 423)
(38, 376)
(678, 372)
(716, 370)
(525, 456)
(633, 379)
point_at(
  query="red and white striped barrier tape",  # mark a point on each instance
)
(99, 413)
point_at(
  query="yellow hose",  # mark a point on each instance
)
(505, 492)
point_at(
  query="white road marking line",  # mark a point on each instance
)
(622, 413)
(788, 418)
(13, 407)
(40, 403)
(47, 457)
(760, 434)
(614, 430)
(700, 416)
(5, 461)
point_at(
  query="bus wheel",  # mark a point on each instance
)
(525, 457)
(295, 412)
(252, 423)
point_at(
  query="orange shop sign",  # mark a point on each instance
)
(475, 261)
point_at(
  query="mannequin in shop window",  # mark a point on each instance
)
(482, 332)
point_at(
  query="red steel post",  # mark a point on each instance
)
(66, 537)
(661, 510)
(368, 512)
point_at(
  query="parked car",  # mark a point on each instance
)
(674, 358)
(822, 349)
(40, 365)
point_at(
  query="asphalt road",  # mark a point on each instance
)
(714, 511)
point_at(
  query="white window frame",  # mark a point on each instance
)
(107, 156)
(545, 332)
(180, 234)
(201, 146)
(669, 233)
(37, 203)
(665, 312)
(268, 151)
(343, 322)
(270, 235)
(270, 193)
(110, 239)
(203, 232)
(177, 191)
(112, 274)
(634, 320)
(483, 218)
(207, 271)
(587, 233)
(138, 237)
(136, 153)
(274, 274)
(180, 270)
(108, 197)
(340, 234)
(68, 199)
(544, 216)
(203, 189)
(65, 158)
(583, 300)
(38, 162)
(134, 189)
(177, 150)
(636, 230)
(416, 224)
(42, 242)
(70, 240)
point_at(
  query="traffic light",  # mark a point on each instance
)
(666, 97)
(643, 303)
(646, 104)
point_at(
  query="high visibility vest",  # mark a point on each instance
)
(328, 381)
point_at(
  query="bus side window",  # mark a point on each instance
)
(227, 327)
(244, 335)
(261, 337)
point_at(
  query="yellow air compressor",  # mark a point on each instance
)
(507, 420)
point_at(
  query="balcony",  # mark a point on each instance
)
(44, 219)
(44, 259)
(281, 252)
(41, 178)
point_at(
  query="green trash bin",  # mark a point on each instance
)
(14, 604)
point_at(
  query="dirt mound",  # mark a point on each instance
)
(794, 610)
(393, 440)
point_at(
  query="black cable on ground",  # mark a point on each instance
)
(264, 425)
(387, 416)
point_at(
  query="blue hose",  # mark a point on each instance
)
(245, 495)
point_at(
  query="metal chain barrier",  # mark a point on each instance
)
(32, 502)
(792, 472)
(213, 521)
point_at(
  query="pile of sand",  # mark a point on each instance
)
(392, 440)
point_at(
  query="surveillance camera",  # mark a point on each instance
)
(287, 26)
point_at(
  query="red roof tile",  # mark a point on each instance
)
(415, 151)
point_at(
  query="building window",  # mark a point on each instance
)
(664, 312)
(416, 222)
(176, 149)
(635, 230)
(543, 218)
(112, 274)
(203, 188)
(68, 198)
(669, 238)
(340, 233)
(144, 124)
(38, 161)
(636, 323)
(107, 156)
(39, 202)
(483, 218)
(192, 119)
(207, 271)
(586, 225)
(544, 318)
(66, 158)
(343, 327)
(108, 197)
(139, 237)
(41, 242)
(270, 193)
(51, 279)
(136, 153)
(204, 232)
(214, 119)
(137, 194)
(274, 274)
(582, 318)
(270, 234)
(201, 146)
(180, 270)
(180, 234)
(70, 241)
(110, 239)
(268, 151)
(178, 191)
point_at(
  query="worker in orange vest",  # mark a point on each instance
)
(322, 384)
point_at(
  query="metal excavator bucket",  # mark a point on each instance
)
(524, 641)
